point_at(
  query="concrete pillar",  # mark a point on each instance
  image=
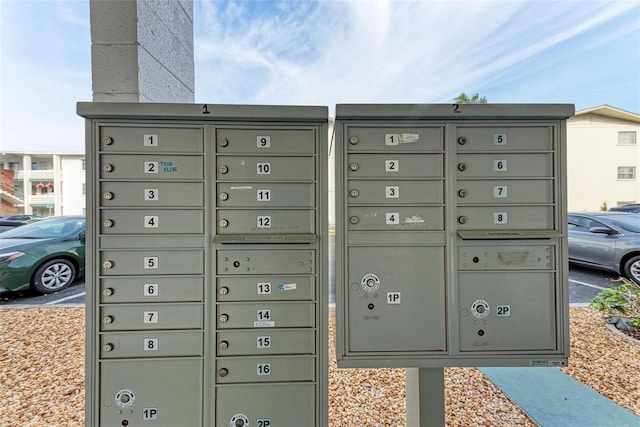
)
(142, 50)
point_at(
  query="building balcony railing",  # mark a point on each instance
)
(44, 199)
(35, 175)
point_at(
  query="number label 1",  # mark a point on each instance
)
(500, 218)
(150, 317)
(150, 262)
(499, 139)
(392, 218)
(151, 221)
(499, 165)
(150, 140)
(150, 290)
(263, 369)
(264, 222)
(392, 192)
(264, 141)
(151, 167)
(391, 165)
(151, 194)
(150, 344)
(263, 168)
(263, 341)
(500, 191)
(264, 288)
(391, 139)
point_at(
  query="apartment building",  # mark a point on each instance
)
(603, 158)
(42, 184)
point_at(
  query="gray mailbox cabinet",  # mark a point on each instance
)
(451, 235)
(206, 265)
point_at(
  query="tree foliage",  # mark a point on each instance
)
(463, 98)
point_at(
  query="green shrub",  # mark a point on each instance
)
(622, 301)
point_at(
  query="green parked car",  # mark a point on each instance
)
(46, 256)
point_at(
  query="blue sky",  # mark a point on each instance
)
(327, 52)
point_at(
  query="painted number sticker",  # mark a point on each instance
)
(263, 168)
(151, 221)
(264, 222)
(263, 195)
(392, 218)
(150, 290)
(151, 194)
(264, 141)
(391, 139)
(499, 165)
(150, 317)
(263, 369)
(264, 288)
(500, 218)
(151, 140)
(150, 262)
(150, 344)
(499, 139)
(263, 341)
(503, 311)
(392, 192)
(391, 165)
(500, 191)
(151, 167)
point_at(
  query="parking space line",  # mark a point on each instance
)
(587, 284)
(65, 298)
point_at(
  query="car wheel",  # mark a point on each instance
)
(632, 269)
(53, 275)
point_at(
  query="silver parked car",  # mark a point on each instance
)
(606, 241)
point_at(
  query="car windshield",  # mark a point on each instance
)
(626, 222)
(45, 229)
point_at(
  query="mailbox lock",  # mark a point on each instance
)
(223, 196)
(107, 292)
(107, 195)
(223, 223)
(223, 372)
(107, 320)
(480, 309)
(124, 398)
(223, 345)
(107, 264)
(107, 347)
(223, 290)
(107, 140)
(223, 318)
(462, 140)
(223, 142)
(462, 193)
(107, 168)
(239, 420)
(354, 220)
(354, 193)
(354, 140)
(370, 283)
(462, 167)
(223, 169)
(354, 166)
(462, 220)
(108, 223)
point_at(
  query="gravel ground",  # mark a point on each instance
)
(42, 376)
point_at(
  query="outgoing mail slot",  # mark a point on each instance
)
(143, 166)
(392, 166)
(506, 217)
(265, 168)
(507, 311)
(266, 195)
(394, 139)
(292, 404)
(394, 192)
(265, 141)
(157, 139)
(151, 316)
(152, 221)
(277, 341)
(151, 344)
(504, 165)
(152, 194)
(505, 191)
(152, 289)
(263, 221)
(266, 315)
(394, 218)
(154, 384)
(507, 257)
(266, 261)
(151, 261)
(265, 369)
(504, 138)
(266, 288)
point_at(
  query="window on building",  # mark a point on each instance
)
(627, 138)
(34, 166)
(14, 166)
(626, 172)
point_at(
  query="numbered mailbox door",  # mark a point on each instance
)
(259, 369)
(263, 221)
(152, 221)
(152, 194)
(266, 195)
(265, 168)
(266, 315)
(157, 139)
(266, 288)
(138, 166)
(395, 139)
(266, 141)
(395, 165)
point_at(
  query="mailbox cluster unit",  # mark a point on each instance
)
(207, 265)
(451, 235)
